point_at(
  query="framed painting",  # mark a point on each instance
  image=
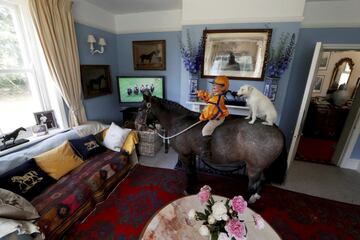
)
(319, 79)
(324, 61)
(46, 118)
(149, 55)
(237, 54)
(95, 80)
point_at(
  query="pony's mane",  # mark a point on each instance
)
(173, 106)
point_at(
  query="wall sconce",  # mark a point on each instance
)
(91, 40)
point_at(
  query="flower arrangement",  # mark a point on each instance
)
(280, 58)
(191, 54)
(223, 220)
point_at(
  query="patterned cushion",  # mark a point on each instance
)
(75, 195)
(59, 161)
(15, 207)
(27, 180)
(87, 146)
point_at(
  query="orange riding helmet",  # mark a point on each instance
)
(223, 81)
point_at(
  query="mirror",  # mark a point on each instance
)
(341, 74)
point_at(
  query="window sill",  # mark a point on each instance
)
(33, 140)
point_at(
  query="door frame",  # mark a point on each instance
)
(352, 126)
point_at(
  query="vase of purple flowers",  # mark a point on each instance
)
(279, 61)
(192, 55)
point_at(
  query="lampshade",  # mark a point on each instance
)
(91, 39)
(102, 42)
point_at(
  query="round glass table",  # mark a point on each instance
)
(172, 222)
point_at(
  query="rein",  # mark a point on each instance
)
(181, 132)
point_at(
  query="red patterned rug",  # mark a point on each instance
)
(316, 150)
(293, 215)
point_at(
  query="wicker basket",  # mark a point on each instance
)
(149, 143)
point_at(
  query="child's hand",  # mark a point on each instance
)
(200, 93)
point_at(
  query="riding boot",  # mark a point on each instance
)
(205, 149)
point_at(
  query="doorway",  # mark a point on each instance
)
(332, 97)
(328, 108)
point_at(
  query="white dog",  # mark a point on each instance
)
(259, 105)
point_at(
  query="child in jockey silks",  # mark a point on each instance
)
(215, 112)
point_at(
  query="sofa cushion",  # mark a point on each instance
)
(16, 207)
(87, 146)
(59, 161)
(129, 145)
(75, 195)
(27, 180)
(115, 137)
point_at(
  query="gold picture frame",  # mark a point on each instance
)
(236, 53)
(149, 55)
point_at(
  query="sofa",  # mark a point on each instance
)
(73, 196)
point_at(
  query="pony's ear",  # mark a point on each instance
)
(147, 95)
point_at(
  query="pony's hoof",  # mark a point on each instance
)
(253, 198)
(251, 122)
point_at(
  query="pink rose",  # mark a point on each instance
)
(238, 204)
(236, 229)
(204, 194)
(259, 221)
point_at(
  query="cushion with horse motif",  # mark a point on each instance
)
(87, 146)
(27, 180)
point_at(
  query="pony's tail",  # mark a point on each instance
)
(276, 172)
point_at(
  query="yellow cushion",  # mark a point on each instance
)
(58, 161)
(130, 141)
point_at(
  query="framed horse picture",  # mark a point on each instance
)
(149, 55)
(95, 80)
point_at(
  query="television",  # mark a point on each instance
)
(131, 88)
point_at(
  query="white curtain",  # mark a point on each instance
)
(55, 26)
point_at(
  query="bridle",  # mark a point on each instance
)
(152, 125)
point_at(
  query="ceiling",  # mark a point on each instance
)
(134, 6)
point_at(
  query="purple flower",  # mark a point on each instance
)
(280, 59)
(192, 55)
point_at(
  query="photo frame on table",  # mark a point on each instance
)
(149, 55)
(319, 79)
(236, 53)
(40, 129)
(95, 80)
(47, 118)
(324, 61)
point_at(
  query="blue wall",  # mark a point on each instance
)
(301, 65)
(278, 29)
(173, 60)
(104, 108)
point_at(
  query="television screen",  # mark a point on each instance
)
(131, 88)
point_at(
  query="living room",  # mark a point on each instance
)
(105, 33)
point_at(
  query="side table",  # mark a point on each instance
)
(171, 222)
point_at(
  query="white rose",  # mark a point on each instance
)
(225, 217)
(204, 231)
(211, 219)
(218, 209)
(191, 214)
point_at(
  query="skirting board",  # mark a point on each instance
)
(352, 164)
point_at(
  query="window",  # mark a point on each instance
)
(23, 89)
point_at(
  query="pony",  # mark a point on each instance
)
(148, 57)
(234, 143)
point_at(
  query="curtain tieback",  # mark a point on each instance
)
(74, 110)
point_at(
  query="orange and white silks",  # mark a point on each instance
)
(215, 109)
